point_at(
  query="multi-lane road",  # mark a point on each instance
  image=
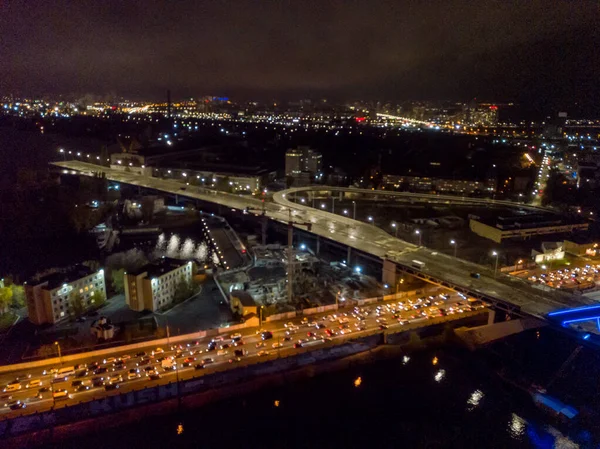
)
(202, 356)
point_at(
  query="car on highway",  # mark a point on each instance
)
(266, 335)
(235, 359)
(17, 405)
(60, 395)
(222, 352)
(217, 338)
(141, 354)
(154, 376)
(150, 372)
(115, 379)
(82, 387)
(383, 327)
(235, 336)
(97, 382)
(298, 344)
(158, 351)
(12, 387)
(262, 353)
(109, 361)
(144, 362)
(239, 343)
(100, 370)
(224, 346)
(187, 362)
(35, 383)
(6, 399)
(276, 345)
(76, 383)
(207, 361)
(82, 373)
(211, 346)
(133, 373)
(111, 387)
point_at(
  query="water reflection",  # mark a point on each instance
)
(475, 399)
(439, 376)
(516, 427)
(172, 247)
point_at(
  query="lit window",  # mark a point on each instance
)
(62, 314)
(80, 290)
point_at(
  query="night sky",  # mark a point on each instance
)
(526, 51)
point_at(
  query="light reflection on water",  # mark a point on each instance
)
(475, 399)
(516, 427)
(172, 247)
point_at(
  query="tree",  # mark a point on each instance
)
(18, 296)
(76, 303)
(99, 298)
(6, 295)
(118, 280)
(183, 290)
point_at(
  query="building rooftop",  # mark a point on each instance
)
(159, 267)
(244, 297)
(510, 222)
(63, 276)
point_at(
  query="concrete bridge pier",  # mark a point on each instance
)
(348, 256)
(318, 245)
(491, 316)
(388, 273)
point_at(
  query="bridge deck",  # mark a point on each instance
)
(508, 290)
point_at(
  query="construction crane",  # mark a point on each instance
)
(291, 223)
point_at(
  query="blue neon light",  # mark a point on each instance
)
(577, 309)
(586, 336)
(581, 319)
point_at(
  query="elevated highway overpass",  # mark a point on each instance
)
(507, 292)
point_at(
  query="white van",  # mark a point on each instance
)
(60, 394)
(12, 387)
(66, 371)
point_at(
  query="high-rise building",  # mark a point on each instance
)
(484, 115)
(50, 299)
(302, 159)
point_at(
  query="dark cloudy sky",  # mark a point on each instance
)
(505, 49)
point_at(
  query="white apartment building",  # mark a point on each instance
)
(49, 297)
(153, 286)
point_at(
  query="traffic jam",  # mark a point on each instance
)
(127, 372)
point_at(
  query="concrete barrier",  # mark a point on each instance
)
(281, 316)
(320, 309)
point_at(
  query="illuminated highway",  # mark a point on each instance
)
(369, 239)
(314, 330)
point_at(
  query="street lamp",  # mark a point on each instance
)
(59, 353)
(419, 234)
(495, 254)
(370, 218)
(261, 315)
(453, 243)
(395, 226)
(333, 204)
(354, 205)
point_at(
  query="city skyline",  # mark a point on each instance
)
(391, 50)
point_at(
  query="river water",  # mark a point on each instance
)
(438, 398)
